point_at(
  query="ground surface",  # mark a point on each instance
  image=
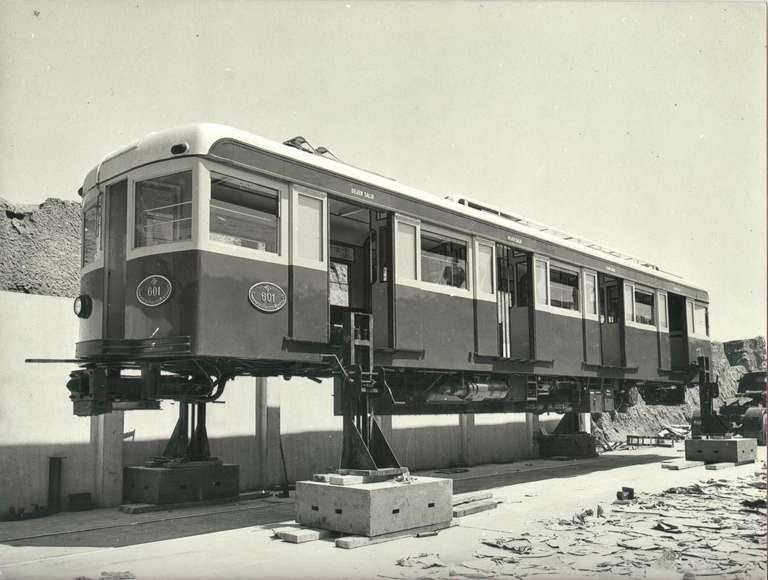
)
(536, 521)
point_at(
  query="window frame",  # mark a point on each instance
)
(547, 306)
(596, 294)
(429, 228)
(416, 224)
(662, 327)
(98, 197)
(480, 294)
(321, 264)
(153, 171)
(631, 321)
(204, 208)
(254, 183)
(693, 331)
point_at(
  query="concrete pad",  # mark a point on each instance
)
(735, 450)
(372, 509)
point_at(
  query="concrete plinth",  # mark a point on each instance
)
(372, 509)
(160, 485)
(736, 451)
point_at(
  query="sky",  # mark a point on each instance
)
(639, 125)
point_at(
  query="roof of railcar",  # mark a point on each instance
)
(200, 137)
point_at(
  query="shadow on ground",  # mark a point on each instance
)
(127, 530)
(467, 482)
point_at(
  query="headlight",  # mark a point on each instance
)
(82, 306)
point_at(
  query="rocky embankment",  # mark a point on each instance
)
(730, 361)
(40, 254)
(40, 247)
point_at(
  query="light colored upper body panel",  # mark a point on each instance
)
(200, 137)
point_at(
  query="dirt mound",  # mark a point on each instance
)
(643, 419)
(40, 247)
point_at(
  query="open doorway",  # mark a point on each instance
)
(611, 308)
(678, 338)
(349, 235)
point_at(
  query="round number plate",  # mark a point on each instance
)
(154, 290)
(267, 297)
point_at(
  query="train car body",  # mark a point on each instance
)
(209, 252)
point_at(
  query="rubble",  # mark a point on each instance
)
(713, 528)
(611, 429)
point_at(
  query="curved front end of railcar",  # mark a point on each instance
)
(184, 285)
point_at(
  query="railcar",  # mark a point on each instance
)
(209, 253)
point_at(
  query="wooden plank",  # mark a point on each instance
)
(352, 542)
(474, 507)
(142, 508)
(461, 498)
(300, 534)
(334, 479)
(718, 466)
(681, 464)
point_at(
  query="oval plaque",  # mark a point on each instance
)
(154, 290)
(267, 297)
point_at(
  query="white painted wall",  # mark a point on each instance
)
(36, 419)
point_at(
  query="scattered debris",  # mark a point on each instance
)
(663, 526)
(422, 561)
(514, 545)
(626, 493)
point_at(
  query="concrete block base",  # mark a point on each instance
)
(736, 451)
(373, 509)
(165, 485)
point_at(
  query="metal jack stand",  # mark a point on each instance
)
(186, 471)
(186, 445)
(708, 422)
(364, 447)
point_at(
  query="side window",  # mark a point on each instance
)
(163, 210)
(443, 260)
(629, 311)
(663, 311)
(92, 232)
(309, 225)
(644, 307)
(244, 214)
(590, 293)
(485, 268)
(542, 297)
(564, 288)
(689, 316)
(700, 320)
(406, 250)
